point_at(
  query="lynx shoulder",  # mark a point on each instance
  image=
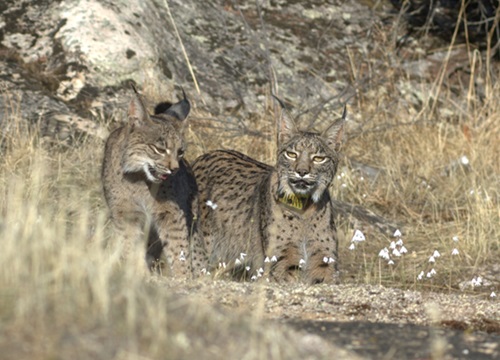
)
(150, 188)
(279, 218)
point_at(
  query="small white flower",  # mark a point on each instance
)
(384, 254)
(274, 259)
(237, 262)
(344, 185)
(390, 262)
(396, 252)
(403, 250)
(342, 174)
(420, 276)
(429, 275)
(253, 278)
(325, 259)
(242, 256)
(361, 178)
(182, 257)
(301, 262)
(436, 254)
(454, 252)
(211, 204)
(433, 272)
(267, 259)
(493, 295)
(247, 268)
(397, 233)
(455, 238)
(477, 281)
(358, 236)
(432, 260)
(331, 260)
(392, 245)
(205, 272)
(464, 160)
(260, 271)
(399, 242)
(364, 196)
(352, 246)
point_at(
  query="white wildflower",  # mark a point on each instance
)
(493, 295)
(454, 252)
(403, 250)
(325, 259)
(242, 256)
(237, 262)
(358, 236)
(253, 278)
(396, 252)
(344, 185)
(352, 246)
(392, 245)
(429, 275)
(455, 238)
(421, 275)
(397, 233)
(432, 259)
(182, 257)
(477, 281)
(464, 160)
(384, 254)
(301, 262)
(331, 260)
(390, 262)
(211, 204)
(267, 259)
(247, 268)
(436, 254)
(260, 271)
(433, 272)
(274, 259)
(399, 242)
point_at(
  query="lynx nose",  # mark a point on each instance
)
(302, 172)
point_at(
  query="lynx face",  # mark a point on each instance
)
(306, 166)
(307, 162)
(155, 143)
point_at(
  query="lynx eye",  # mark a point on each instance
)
(157, 150)
(319, 159)
(291, 155)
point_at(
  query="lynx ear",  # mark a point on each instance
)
(335, 132)
(179, 110)
(286, 125)
(137, 113)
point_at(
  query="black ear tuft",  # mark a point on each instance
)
(162, 107)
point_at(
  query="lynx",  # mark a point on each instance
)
(255, 217)
(150, 189)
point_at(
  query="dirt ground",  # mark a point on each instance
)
(372, 322)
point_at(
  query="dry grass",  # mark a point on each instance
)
(65, 288)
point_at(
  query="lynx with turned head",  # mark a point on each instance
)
(150, 188)
(256, 217)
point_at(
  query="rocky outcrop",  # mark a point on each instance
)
(68, 63)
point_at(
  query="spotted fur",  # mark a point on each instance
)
(281, 217)
(150, 188)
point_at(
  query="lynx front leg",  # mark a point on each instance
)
(288, 262)
(321, 265)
